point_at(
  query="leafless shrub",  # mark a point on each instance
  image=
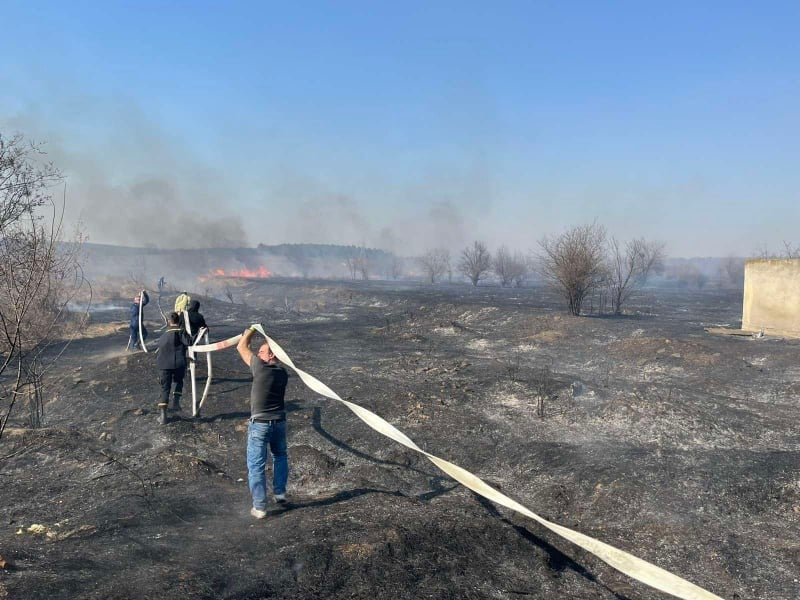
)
(363, 267)
(357, 263)
(731, 272)
(788, 251)
(544, 387)
(687, 275)
(510, 269)
(435, 263)
(351, 261)
(228, 293)
(512, 366)
(395, 267)
(629, 268)
(39, 274)
(520, 269)
(598, 298)
(475, 262)
(574, 262)
(501, 264)
(138, 273)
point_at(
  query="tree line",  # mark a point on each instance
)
(582, 260)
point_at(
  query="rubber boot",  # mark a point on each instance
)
(176, 402)
(162, 414)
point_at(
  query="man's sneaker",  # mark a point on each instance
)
(258, 514)
(280, 498)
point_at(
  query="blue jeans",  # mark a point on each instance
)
(261, 439)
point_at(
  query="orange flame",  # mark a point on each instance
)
(261, 273)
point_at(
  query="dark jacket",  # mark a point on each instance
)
(135, 310)
(196, 320)
(172, 349)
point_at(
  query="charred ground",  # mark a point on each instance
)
(643, 431)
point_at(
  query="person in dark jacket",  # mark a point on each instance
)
(134, 321)
(196, 320)
(171, 363)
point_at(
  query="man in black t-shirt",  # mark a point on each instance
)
(267, 429)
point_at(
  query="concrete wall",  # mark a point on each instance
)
(772, 296)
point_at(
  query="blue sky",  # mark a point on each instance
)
(409, 125)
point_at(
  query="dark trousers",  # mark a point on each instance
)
(168, 377)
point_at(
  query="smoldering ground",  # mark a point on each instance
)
(643, 431)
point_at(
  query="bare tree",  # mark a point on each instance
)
(520, 267)
(789, 251)
(395, 266)
(138, 273)
(629, 268)
(501, 265)
(358, 263)
(574, 262)
(435, 263)
(351, 260)
(363, 265)
(511, 269)
(39, 274)
(475, 262)
(731, 272)
(687, 274)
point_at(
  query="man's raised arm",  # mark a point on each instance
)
(243, 347)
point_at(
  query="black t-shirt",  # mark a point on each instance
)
(268, 390)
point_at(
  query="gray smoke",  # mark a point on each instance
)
(132, 183)
(136, 187)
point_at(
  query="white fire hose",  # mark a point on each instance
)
(202, 335)
(624, 562)
(141, 337)
(141, 311)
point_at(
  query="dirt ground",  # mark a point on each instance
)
(643, 431)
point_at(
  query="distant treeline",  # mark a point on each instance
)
(324, 251)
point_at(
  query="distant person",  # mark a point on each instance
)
(196, 319)
(134, 324)
(267, 429)
(171, 363)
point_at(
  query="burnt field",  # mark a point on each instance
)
(643, 431)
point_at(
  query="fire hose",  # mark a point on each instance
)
(141, 336)
(202, 335)
(624, 562)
